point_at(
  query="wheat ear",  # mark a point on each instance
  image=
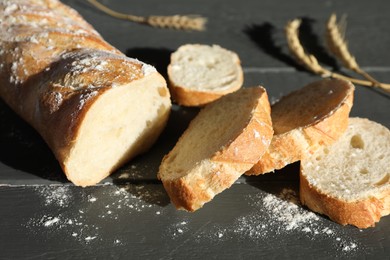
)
(307, 60)
(335, 39)
(311, 63)
(179, 22)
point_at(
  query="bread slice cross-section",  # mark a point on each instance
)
(349, 181)
(199, 74)
(223, 141)
(305, 120)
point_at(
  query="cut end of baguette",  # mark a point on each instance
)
(305, 120)
(121, 123)
(350, 180)
(225, 139)
(199, 74)
(94, 107)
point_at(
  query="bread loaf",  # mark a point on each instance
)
(199, 74)
(349, 181)
(95, 108)
(223, 141)
(305, 120)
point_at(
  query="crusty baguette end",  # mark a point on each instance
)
(95, 107)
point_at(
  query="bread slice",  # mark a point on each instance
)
(305, 120)
(222, 142)
(199, 74)
(350, 180)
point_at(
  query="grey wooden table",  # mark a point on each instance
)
(129, 216)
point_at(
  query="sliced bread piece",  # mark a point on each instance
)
(349, 181)
(199, 74)
(305, 120)
(223, 141)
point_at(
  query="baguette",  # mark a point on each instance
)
(305, 120)
(222, 142)
(350, 180)
(94, 107)
(199, 74)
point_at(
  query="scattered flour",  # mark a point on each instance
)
(83, 219)
(179, 228)
(59, 196)
(51, 221)
(287, 212)
(133, 172)
(272, 216)
(91, 198)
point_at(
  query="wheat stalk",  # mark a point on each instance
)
(311, 63)
(179, 22)
(335, 38)
(307, 60)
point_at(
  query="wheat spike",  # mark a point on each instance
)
(297, 50)
(337, 45)
(179, 22)
(311, 63)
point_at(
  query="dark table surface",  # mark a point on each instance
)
(129, 215)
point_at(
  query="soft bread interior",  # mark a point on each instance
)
(356, 166)
(214, 127)
(120, 124)
(205, 68)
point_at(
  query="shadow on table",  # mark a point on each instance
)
(143, 169)
(264, 36)
(22, 148)
(277, 181)
(157, 57)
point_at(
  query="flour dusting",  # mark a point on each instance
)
(84, 219)
(272, 216)
(59, 196)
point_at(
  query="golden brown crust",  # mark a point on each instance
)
(362, 213)
(192, 98)
(191, 194)
(183, 196)
(250, 145)
(293, 145)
